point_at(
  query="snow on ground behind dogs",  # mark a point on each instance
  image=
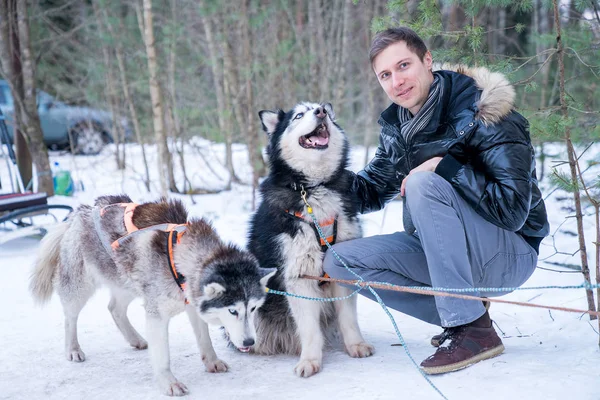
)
(548, 355)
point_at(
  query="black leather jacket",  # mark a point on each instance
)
(487, 154)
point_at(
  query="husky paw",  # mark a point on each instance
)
(216, 366)
(139, 344)
(306, 368)
(75, 355)
(360, 350)
(176, 389)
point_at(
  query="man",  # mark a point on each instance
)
(473, 214)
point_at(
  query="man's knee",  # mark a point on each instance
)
(417, 185)
(330, 263)
(425, 184)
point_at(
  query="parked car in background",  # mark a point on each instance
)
(84, 130)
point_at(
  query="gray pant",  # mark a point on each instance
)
(453, 247)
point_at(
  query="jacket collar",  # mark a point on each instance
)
(491, 98)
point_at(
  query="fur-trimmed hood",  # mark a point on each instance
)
(497, 98)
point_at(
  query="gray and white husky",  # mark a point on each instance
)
(189, 269)
(308, 154)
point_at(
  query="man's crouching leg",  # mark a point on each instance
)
(457, 243)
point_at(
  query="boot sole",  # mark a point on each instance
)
(491, 353)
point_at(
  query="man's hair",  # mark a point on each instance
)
(384, 39)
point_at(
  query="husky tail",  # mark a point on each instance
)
(41, 280)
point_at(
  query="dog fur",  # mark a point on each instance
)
(224, 284)
(307, 150)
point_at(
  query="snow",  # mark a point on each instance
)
(549, 355)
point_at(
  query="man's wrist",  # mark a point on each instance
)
(448, 167)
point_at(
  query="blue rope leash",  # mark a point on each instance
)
(376, 295)
(360, 280)
(584, 285)
(321, 299)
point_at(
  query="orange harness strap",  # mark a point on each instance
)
(173, 238)
(175, 232)
(128, 216)
(328, 227)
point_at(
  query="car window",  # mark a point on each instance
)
(43, 99)
(5, 96)
(2, 95)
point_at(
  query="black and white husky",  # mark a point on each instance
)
(308, 154)
(151, 250)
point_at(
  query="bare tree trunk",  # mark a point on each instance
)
(172, 113)
(251, 129)
(232, 98)
(313, 55)
(220, 92)
(370, 84)
(22, 152)
(31, 119)
(110, 89)
(541, 27)
(324, 35)
(597, 244)
(585, 270)
(501, 35)
(300, 17)
(164, 157)
(11, 64)
(128, 99)
(344, 58)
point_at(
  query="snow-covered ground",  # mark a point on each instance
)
(549, 355)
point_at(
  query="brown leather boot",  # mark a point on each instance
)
(437, 340)
(465, 345)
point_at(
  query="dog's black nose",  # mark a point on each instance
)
(320, 112)
(248, 342)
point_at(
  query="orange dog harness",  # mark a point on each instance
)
(174, 234)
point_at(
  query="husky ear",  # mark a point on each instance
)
(329, 108)
(213, 290)
(268, 274)
(269, 120)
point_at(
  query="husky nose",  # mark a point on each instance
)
(248, 342)
(320, 112)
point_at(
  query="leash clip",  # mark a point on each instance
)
(303, 194)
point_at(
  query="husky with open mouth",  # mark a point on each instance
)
(308, 155)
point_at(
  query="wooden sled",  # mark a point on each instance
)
(23, 213)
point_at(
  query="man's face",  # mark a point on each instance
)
(404, 77)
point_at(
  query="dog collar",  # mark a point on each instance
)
(296, 187)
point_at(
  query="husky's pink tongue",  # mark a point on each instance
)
(319, 140)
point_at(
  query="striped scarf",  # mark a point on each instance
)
(410, 125)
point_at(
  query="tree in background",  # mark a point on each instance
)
(18, 68)
(220, 62)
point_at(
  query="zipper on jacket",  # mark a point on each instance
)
(406, 147)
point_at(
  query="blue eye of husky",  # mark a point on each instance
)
(299, 115)
(232, 311)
